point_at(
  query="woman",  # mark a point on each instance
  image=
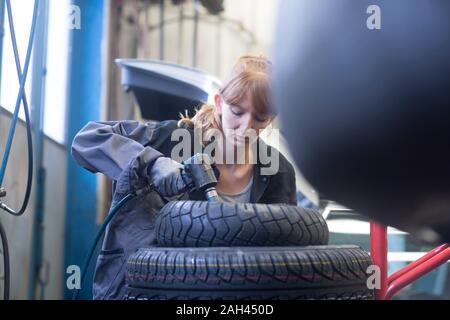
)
(134, 154)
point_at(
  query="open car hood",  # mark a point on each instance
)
(163, 90)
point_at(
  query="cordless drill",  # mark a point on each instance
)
(199, 174)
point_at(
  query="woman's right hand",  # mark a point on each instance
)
(165, 175)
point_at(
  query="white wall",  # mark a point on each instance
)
(19, 229)
(220, 43)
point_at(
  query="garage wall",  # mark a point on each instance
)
(19, 229)
(244, 27)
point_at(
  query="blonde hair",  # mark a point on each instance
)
(250, 75)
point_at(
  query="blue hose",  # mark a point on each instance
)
(27, 120)
(20, 96)
(22, 86)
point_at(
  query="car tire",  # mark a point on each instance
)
(217, 224)
(316, 272)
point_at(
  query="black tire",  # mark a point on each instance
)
(281, 272)
(205, 224)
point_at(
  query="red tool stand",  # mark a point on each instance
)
(405, 276)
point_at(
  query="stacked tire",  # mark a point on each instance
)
(245, 251)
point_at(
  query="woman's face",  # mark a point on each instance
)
(241, 121)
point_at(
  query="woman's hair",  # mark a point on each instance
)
(249, 76)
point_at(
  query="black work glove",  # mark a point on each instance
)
(165, 175)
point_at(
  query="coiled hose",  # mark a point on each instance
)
(20, 97)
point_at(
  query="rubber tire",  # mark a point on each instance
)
(218, 224)
(316, 272)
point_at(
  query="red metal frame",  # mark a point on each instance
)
(389, 286)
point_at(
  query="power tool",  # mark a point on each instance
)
(200, 174)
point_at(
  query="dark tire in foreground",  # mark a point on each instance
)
(320, 272)
(204, 224)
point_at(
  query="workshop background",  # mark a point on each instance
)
(74, 79)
